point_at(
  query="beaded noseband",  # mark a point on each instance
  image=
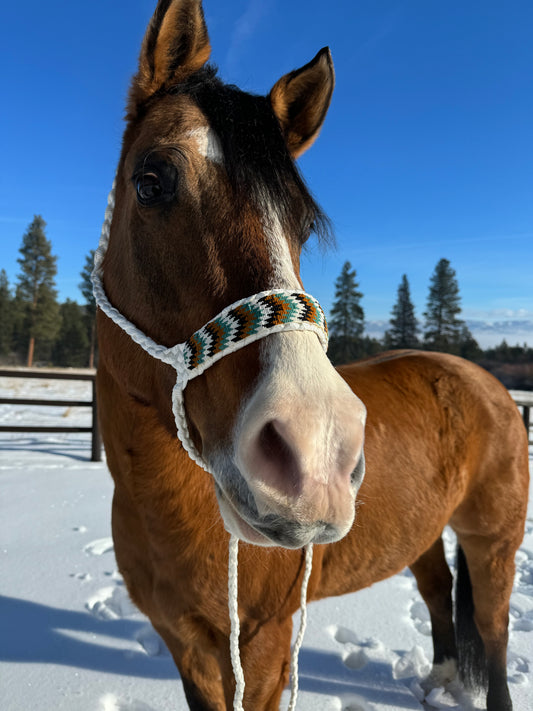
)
(236, 326)
(249, 319)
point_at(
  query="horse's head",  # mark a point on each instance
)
(210, 209)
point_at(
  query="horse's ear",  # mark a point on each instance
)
(175, 45)
(301, 99)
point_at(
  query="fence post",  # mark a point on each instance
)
(96, 441)
(525, 416)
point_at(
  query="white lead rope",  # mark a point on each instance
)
(233, 589)
(303, 624)
(235, 625)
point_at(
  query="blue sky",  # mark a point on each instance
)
(427, 151)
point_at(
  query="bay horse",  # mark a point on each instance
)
(209, 210)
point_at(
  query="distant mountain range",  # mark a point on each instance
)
(486, 333)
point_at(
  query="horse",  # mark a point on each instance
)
(210, 209)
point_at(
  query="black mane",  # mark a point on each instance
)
(256, 157)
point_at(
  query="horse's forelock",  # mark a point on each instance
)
(257, 161)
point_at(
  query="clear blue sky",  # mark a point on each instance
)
(427, 151)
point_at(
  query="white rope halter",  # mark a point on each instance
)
(236, 326)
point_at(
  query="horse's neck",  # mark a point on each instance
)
(150, 466)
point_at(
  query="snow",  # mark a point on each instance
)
(70, 639)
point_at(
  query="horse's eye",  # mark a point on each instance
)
(155, 185)
(149, 188)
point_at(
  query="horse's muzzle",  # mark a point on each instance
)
(243, 520)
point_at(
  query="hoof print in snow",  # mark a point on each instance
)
(355, 703)
(524, 571)
(111, 603)
(110, 702)
(151, 642)
(521, 620)
(420, 619)
(518, 670)
(99, 547)
(101, 605)
(355, 660)
(343, 635)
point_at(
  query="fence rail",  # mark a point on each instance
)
(523, 399)
(96, 440)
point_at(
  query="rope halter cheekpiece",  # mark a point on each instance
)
(235, 327)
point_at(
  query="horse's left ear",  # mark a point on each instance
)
(301, 99)
(175, 45)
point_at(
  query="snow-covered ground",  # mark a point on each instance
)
(71, 640)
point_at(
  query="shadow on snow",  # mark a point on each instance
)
(36, 633)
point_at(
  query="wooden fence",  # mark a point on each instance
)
(96, 441)
(522, 398)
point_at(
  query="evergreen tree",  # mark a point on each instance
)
(6, 315)
(404, 326)
(86, 288)
(36, 296)
(468, 346)
(443, 329)
(503, 353)
(369, 347)
(72, 343)
(347, 319)
(19, 330)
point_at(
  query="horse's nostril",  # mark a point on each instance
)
(273, 442)
(275, 449)
(270, 440)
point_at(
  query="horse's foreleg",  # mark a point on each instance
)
(265, 655)
(203, 658)
(196, 654)
(434, 582)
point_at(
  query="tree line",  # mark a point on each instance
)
(443, 330)
(36, 329)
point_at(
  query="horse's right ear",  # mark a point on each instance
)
(175, 45)
(301, 99)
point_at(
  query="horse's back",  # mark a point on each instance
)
(463, 412)
(440, 390)
(462, 378)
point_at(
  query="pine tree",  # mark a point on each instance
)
(468, 346)
(72, 343)
(86, 288)
(404, 326)
(6, 315)
(347, 319)
(443, 328)
(36, 295)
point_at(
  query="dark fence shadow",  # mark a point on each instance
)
(34, 633)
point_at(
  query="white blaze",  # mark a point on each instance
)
(284, 276)
(207, 143)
